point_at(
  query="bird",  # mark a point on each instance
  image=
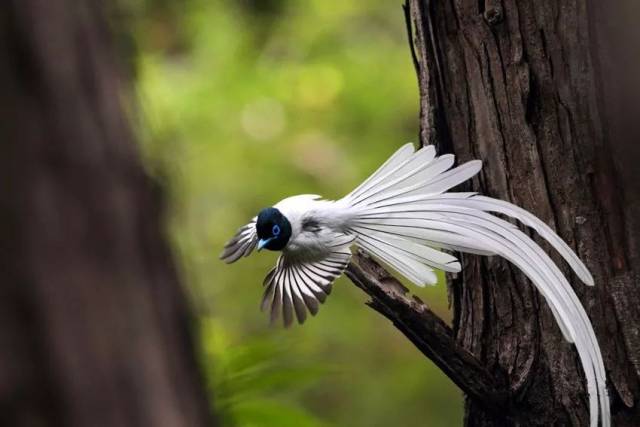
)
(405, 216)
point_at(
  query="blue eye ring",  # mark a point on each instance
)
(275, 230)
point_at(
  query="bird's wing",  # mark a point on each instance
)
(296, 285)
(242, 244)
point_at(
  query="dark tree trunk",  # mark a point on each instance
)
(94, 327)
(545, 92)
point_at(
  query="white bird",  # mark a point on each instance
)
(403, 215)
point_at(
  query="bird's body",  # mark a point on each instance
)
(314, 223)
(404, 215)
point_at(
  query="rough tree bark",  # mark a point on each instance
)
(93, 323)
(545, 93)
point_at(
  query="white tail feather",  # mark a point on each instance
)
(402, 212)
(413, 270)
(399, 157)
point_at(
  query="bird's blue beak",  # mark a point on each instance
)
(263, 242)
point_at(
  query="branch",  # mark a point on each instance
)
(433, 337)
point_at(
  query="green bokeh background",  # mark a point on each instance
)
(243, 103)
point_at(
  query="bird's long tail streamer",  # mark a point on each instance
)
(403, 215)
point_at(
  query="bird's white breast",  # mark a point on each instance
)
(330, 216)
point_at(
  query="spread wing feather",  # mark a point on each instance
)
(242, 244)
(297, 285)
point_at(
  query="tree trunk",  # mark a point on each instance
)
(545, 93)
(94, 327)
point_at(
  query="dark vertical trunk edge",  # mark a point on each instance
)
(94, 327)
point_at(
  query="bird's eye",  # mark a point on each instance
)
(275, 230)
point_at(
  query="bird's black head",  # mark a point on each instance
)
(274, 229)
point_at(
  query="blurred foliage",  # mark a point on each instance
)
(244, 103)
